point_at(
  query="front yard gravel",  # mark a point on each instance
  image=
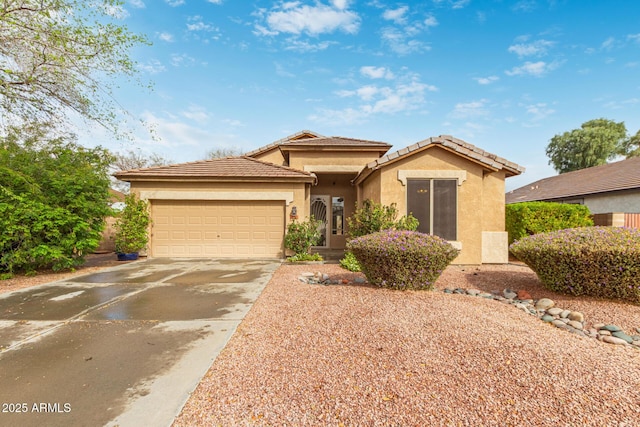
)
(355, 355)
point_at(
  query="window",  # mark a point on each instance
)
(337, 217)
(434, 202)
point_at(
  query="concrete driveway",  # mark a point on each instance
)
(121, 347)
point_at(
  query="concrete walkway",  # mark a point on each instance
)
(121, 347)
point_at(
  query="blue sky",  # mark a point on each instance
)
(505, 76)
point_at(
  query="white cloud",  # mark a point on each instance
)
(171, 132)
(376, 72)
(197, 114)
(486, 80)
(455, 4)
(195, 23)
(304, 46)
(634, 37)
(525, 6)
(465, 110)
(396, 15)
(340, 4)
(214, 1)
(152, 67)
(430, 21)
(282, 72)
(407, 94)
(623, 104)
(608, 44)
(538, 111)
(294, 18)
(537, 48)
(400, 43)
(165, 37)
(138, 4)
(116, 11)
(536, 69)
(174, 3)
(180, 60)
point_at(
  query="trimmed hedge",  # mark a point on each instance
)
(402, 259)
(594, 261)
(527, 218)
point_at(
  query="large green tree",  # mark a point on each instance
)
(631, 148)
(61, 56)
(54, 196)
(596, 142)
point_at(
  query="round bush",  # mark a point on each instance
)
(595, 261)
(402, 259)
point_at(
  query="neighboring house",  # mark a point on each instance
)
(240, 206)
(613, 187)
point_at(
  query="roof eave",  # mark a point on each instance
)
(309, 179)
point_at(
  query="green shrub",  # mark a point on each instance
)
(54, 197)
(305, 257)
(132, 226)
(594, 261)
(527, 218)
(302, 235)
(371, 218)
(401, 259)
(350, 262)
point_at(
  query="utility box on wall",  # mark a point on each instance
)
(495, 247)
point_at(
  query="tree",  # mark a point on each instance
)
(596, 142)
(219, 153)
(56, 56)
(134, 159)
(631, 147)
(54, 197)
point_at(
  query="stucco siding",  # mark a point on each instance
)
(272, 156)
(471, 206)
(493, 196)
(358, 159)
(614, 202)
(370, 189)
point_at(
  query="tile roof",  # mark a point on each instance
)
(315, 139)
(297, 135)
(621, 175)
(227, 168)
(337, 141)
(454, 144)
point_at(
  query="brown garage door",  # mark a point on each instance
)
(224, 229)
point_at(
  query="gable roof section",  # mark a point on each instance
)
(303, 134)
(241, 168)
(621, 175)
(306, 139)
(335, 142)
(455, 145)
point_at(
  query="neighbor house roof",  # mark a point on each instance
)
(471, 152)
(616, 176)
(228, 168)
(307, 139)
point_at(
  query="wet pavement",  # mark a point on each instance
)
(121, 347)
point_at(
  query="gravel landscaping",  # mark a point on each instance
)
(355, 355)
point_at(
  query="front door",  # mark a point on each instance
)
(319, 209)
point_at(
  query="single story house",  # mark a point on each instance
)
(241, 206)
(612, 187)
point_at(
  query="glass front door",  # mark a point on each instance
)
(319, 209)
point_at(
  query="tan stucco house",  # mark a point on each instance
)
(240, 206)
